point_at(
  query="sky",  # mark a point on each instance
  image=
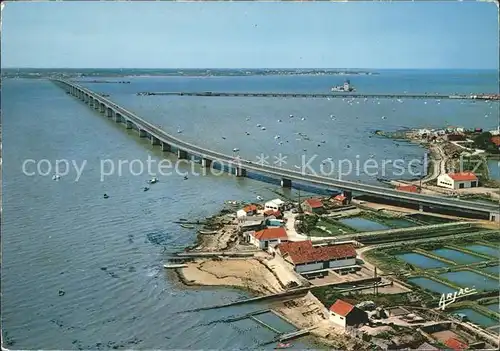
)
(383, 35)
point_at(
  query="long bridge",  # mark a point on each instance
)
(314, 95)
(240, 167)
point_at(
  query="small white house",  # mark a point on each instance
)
(308, 258)
(241, 215)
(268, 237)
(458, 180)
(275, 205)
(344, 314)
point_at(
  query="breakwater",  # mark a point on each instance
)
(314, 95)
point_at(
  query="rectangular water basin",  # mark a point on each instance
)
(431, 285)
(401, 223)
(421, 261)
(362, 224)
(486, 250)
(276, 322)
(468, 279)
(457, 256)
(493, 307)
(477, 318)
(495, 270)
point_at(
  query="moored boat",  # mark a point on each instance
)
(207, 232)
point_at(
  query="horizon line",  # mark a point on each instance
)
(255, 68)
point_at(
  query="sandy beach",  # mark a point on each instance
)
(249, 274)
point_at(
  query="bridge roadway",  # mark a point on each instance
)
(307, 95)
(285, 174)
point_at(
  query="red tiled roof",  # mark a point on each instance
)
(462, 176)
(250, 208)
(303, 251)
(314, 203)
(341, 307)
(340, 197)
(271, 233)
(408, 188)
(455, 344)
(496, 140)
(272, 213)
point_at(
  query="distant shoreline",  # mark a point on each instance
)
(84, 73)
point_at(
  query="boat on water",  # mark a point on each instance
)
(187, 226)
(56, 177)
(106, 196)
(174, 266)
(153, 180)
(207, 232)
(145, 188)
(283, 345)
(260, 198)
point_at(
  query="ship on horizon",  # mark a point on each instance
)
(346, 87)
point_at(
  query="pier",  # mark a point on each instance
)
(240, 167)
(315, 95)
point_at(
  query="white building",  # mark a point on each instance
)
(458, 180)
(268, 237)
(275, 205)
(344, 314)
(241, 215)
(308, 258)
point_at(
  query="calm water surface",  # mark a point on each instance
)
(468, 279)
(487, 250)
(422, 261)
(457, 256)
(477, 318)
(431, 285)
(106, 255)
(337, 129)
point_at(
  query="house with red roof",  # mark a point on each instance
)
(268, 237)
(344, 314)
(250, 210)
(460, 180)
(305, 257)
(341, 199)
(276, 214)
(312, 205)
(456, 344)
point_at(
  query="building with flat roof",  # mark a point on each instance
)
(275, 205)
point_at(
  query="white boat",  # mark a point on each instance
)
(260, 198)
(236, 149)
(179, 130)
(277, 137)
(56, 177)
(153, 180)
(303, 119)
(174, 266)
(263, 128)
(259, 125)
